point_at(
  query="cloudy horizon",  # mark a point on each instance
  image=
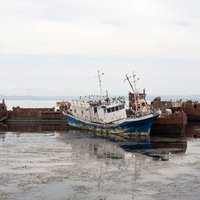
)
(55, 47)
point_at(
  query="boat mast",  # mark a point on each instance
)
(128, 79)
(134, 89)
(134, 82)
(100, 86)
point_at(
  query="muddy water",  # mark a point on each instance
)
(73, 165)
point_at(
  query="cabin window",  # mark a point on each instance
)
(75, 110)
(121, 107)
(117, 108)
(195, 106)
(95, 109)
(82, 112)
(108, 110)
(112, 109)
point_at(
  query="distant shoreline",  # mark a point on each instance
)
(149, 97)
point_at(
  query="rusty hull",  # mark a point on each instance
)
(172, 124)
(3, 111)
(34, 114)
(175, 106)
(192, 108)
(169, 123)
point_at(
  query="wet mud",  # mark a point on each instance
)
(73, 165)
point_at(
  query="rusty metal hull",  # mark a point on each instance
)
(3, 111)
(170, 124)
(193, 117)
(192, 109)
(33, 127)
(35, 115)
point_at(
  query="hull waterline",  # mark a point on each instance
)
(133, 126)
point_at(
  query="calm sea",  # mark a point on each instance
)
(31, 103)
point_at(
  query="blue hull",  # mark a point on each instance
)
(137, 126)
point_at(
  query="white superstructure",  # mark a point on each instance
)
(101, 110)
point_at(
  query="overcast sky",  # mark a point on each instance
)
(55, 47)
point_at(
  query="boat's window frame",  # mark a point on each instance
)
(121, 107)
(108, 110)
(95, 109)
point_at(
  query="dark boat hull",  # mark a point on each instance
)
(135, 126)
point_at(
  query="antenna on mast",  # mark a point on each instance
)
(128, 79)
(135, 81)
(100, 86)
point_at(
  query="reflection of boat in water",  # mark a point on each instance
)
(3, 127)
(105, 148)
(87, 143)
(158, 146)
(99, 148)
(150, 146)
(108, 115)
(32, 127)
(169, 144)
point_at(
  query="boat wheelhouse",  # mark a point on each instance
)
(98, 111)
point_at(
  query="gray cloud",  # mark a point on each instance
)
(44, 40)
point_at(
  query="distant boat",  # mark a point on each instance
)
(108, 115)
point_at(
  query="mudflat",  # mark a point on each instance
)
(67, 166)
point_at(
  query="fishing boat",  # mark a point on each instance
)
(107, 115)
